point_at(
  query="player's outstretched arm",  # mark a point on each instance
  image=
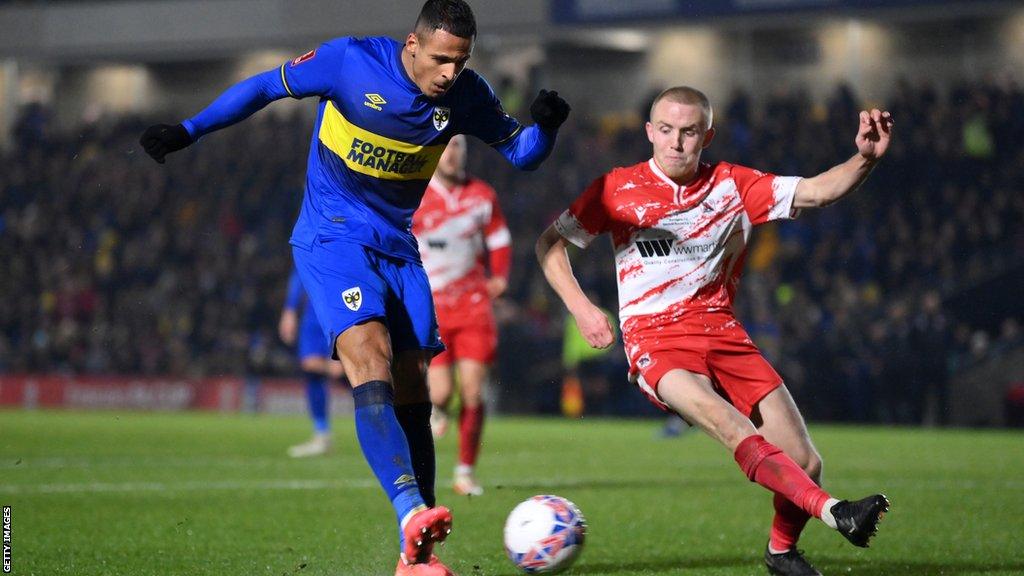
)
(554, 261)
(873, 137)
(235, 104)
(532, 145)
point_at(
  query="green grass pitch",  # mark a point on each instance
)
(112, 493)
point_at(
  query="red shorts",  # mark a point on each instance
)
(712, 344)
(477, 341)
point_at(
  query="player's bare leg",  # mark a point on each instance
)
(693, 397)
(439, 380)
(472, 375)
(365, 352)
(321, 441)
(780, 422)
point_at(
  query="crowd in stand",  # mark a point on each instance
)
(110, 263)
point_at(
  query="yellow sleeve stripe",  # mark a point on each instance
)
(509, 137)
(285, 82)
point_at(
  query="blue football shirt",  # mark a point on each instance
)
(378, 139)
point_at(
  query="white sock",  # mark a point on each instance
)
(411, 513)
(463, 470)
(773, 551)
(826, 513)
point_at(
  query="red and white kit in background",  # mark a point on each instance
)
(457, 230)
(679, 251)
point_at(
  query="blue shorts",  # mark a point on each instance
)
(312, 342)
(350, 284)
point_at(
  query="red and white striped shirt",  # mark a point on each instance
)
(678, 249)
(457, 230)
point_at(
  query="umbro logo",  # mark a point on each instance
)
(404, 479)
(375, 101)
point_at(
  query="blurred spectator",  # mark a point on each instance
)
(112, 264)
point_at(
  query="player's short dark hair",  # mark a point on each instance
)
(686, 95)
(453, 16)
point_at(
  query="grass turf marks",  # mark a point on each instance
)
(201, 494)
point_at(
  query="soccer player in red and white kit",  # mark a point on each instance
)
(680, 229)
(459, 227)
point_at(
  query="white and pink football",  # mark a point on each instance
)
(545, 534)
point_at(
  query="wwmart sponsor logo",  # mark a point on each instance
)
(7, 539)
(671, 247)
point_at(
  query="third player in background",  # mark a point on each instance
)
(466, 250)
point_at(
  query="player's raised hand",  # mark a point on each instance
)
(595, 327)
(874, 133)
(162, 139)
(549, 110)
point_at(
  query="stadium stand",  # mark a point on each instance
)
(112, 266)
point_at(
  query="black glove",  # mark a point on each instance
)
(162, 139)
(549, 110)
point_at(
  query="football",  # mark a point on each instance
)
(544, 534)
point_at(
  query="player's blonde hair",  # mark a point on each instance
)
(686, 95)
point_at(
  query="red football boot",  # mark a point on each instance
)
(424, 529)
(432, 568)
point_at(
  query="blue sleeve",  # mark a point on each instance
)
(488, 120)
(237, 103)
(317, 72)
(528, 147)
(525, 148)
(295, 292)
(313, 74)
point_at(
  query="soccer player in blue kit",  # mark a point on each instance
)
(386, 111)
(314, 352)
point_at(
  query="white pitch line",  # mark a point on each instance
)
(195, 486)
(199, 486)
(106, 462)
(171, 461)
(542, 484)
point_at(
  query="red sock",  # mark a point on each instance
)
(471, 425)
(788, 523)
(764, 463)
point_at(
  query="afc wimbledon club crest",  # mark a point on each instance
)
(353, 298)
(441, 117)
